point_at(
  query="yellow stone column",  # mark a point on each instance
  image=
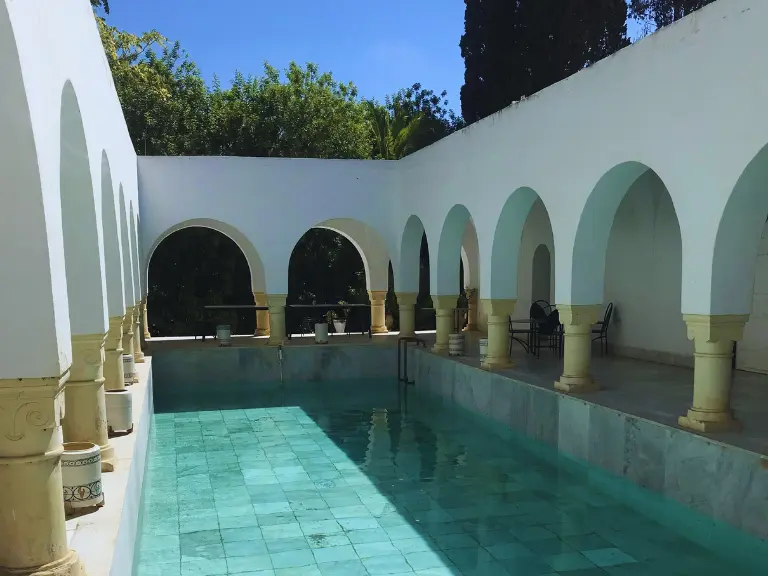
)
(147, 335)
(378, 324)
(262, 316)
(34, 536)
(444, 307)
(114, 377)
(138, 355)
(577, 353)
(713, 338)
(406, 302)
(499, 310)
(128, 333)
(276, 303)
(471, 310)
(85, 418)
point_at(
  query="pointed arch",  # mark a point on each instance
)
(446, 273)
(407, 278)
(113, 268)
(127, 253)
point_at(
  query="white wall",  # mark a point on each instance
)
(751, 354)
(537, 230)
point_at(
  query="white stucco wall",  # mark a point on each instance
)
(751, 354)
(537, 230)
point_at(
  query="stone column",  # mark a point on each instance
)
(577, 353)
(262, 316)
(406, 301)
(378, 298)
(31, 499)
(499, 310)
(85, 419)
(471, 310)
(138, 355)
(114, 377)
(444, 307)
(713, 338)
(147, 335)
(276, 304)
(128, 332)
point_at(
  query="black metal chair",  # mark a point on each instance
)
(548, 333)
(600, 332)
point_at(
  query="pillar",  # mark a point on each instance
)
(713, 338)
(577, 321)
(276, 303)
(262, 316)
(114, 377)
(378, 324)
(444, 307)
(128, 331)
(31, 500)
(472, 309)
(138, 355)
(85, 418)
(406, 302)
(147, 335)
(499, 310)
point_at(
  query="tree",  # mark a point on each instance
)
(658, 13)
(103, 4)
(514, 49)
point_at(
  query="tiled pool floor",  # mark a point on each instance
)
(346, 479)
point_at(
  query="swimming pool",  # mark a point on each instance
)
(365, 477)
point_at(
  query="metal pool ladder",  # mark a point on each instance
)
(402, 352)
(280, 360)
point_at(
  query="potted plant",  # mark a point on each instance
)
(338, 319)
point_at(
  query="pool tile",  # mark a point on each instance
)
(568, 562)
(424, 560)
(238, 564)
(292, 559)
(390, 564)
(526, 566)
(507, 551)
(604, 557)
(381, 548)
(154, 568)
(327, 540)
(334, 554)
(343, 568)
(366, 536)
(286, 544)
(203, 567)
(245, 548)
(466, 558)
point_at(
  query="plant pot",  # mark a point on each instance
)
(129, 369)
(483, 348)
(389, 321)
(321, 333)
(340, 326)
(224, 335)
(119, 410)
(456, 344)
(81, 475)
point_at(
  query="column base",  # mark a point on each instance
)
(576, 384)
(441, 349)
(277, 342)
(470, 328)
(710, 422)
(138, 357)
(379, 330)
(492, 364)
(261, 332)
(108, 458)
(70, 565)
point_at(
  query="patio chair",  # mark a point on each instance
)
(548, 334)
(600, 331)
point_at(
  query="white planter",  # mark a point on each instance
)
(224, 335)
(129, 369)
(321, 333)
(483, 348)
(456, 344)
(340, 326)
(81, 475)
(119, 410)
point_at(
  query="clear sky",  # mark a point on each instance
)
(380, 45)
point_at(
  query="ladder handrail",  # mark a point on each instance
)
(402, 345)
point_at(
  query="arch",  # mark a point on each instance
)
(135, 265)
(507, 239)
(470, 256)
(258, 277)
(541, 278)
(591, 242)
(35, 300)
(446, 281)
(113, 268)
(739, 231)
(407, 278)
(126, 252)
(83, 254)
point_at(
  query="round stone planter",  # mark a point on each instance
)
(224, 335)
(119, 411)
(129, 369)
(456, 344)
(81, 475)
(483, 348)
(321, 333)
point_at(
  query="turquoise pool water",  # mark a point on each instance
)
(362, 478)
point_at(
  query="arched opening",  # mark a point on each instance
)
(630, 226)
(190, 269)
(541, 287)
(127, 254)
(414, 271)
(112, 263)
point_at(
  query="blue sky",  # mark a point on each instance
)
(380, 45)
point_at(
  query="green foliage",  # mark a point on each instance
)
(103, 4)
(657, 13)
(514, 49)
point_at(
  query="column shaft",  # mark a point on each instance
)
(378, 323)
(471, 310)
(138, 355)
(86, 411)
(262, 316)
(406, 302)
(499, 311)
(276, 304)
(31, 500)
(713, 338)
(147, 335)
(128, 324)
(444, 307)
(114, 377)
(577, 354)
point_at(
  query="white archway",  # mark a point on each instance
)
(113, 268)
(445, 275)
(135, 265)
(407, 278)
(541, 278)
(127, 253)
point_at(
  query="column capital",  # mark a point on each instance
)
(377, 295)
(129, 311)
(406, 298)
(715, 328)
(259, 294)
(88, 358)
(502, 307)
(579, 314)
(276, 300)
(471, 293)
(445, 302)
